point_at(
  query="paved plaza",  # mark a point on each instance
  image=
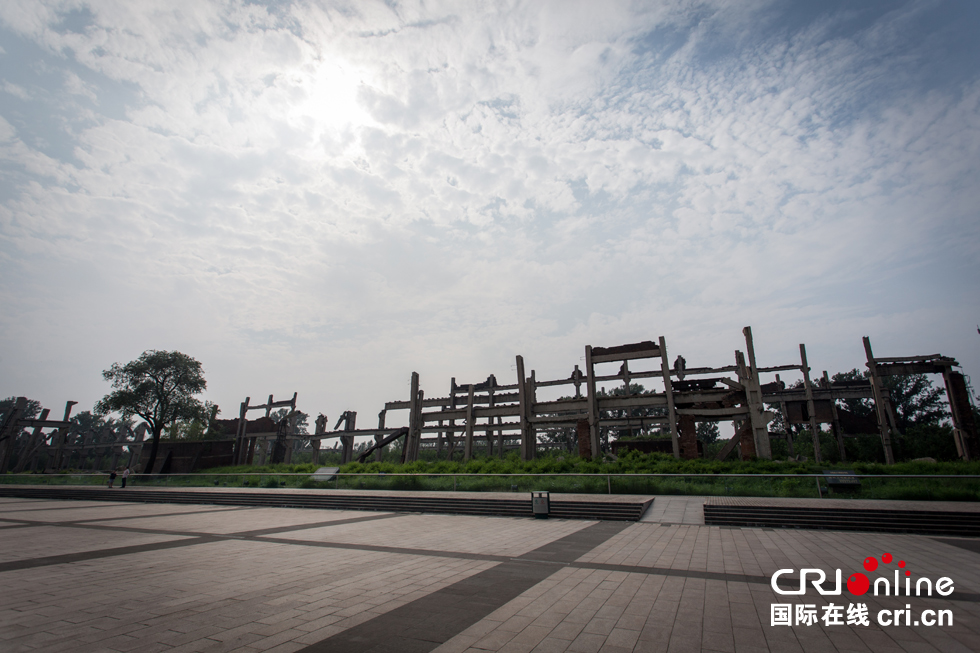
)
(106, 576)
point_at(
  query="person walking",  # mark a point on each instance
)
(112, 478)
(125, 475)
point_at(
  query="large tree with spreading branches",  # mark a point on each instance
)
(159, 387)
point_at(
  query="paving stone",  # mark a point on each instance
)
(623, 638)
(550, 645)
(88, 576)
(587, 643)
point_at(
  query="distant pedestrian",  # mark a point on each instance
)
(125, 475)
(112, 478)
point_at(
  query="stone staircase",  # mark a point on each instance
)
(624, 510)
(924, 522)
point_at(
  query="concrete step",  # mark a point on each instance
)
(591, 510)
(886, 521)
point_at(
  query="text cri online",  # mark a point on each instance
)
(806, 614)
(944, 586)
(785, 614)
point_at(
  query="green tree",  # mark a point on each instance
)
(188, 429)
(88, 421)
(201, 427)
(860, 407)
(33, 408)
(707, 432)
(301, 426)
(646, 432)
(920, 410)
(915, 400)
(158, 387)
(564, 436)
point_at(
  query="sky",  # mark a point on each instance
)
(323, 197)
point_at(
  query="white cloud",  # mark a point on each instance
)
(16, 90)
(7, 131)
(374, 188)
(75, 86)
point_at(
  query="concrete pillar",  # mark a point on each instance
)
(964, 426)
(746, 441)
(687, 434)
(584, 438)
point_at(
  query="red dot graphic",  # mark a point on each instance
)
(870, 563)
(858, 584)
(908, 573)
(887, 557)
(901, 563)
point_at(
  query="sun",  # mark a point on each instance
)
(326, 98)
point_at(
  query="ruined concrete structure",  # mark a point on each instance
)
(494, 416)
(500, 415)
(62, 448)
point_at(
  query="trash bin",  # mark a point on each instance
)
(540, 505)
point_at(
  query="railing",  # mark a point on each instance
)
(946, 487)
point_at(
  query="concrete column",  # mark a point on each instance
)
(687, 434)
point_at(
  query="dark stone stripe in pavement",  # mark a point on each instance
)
(124, 529)
(379, 548)
(424, 624)
(572, 547)
(320, 524)
(683, 573)
(969, 545)
(162, 514)
(246, 535)
(101, 553)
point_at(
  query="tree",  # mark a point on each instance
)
(564, 436)
(707, 432)
(300, 426)
(568, 436)
(202, 427)
(33, 408)
(915, 400)
(641, 432)
(860, 407)
(86, 421)
(158, 387)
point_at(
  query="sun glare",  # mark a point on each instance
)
(329, 99)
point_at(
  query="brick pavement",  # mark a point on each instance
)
(87, 576)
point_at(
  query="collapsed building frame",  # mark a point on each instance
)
(507, 416)
(689, 396)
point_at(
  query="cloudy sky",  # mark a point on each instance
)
(324, 196)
